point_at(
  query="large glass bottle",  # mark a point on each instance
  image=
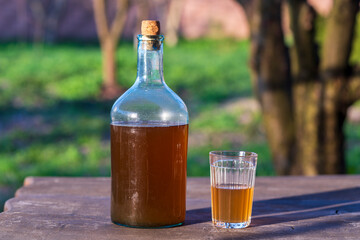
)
(149, 136)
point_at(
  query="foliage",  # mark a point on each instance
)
(352, 146)
(68, 72)
(53, 122)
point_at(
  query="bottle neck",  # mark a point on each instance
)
(150, 60)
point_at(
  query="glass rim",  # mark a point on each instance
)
(233, 153)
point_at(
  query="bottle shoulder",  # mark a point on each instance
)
(150, 104)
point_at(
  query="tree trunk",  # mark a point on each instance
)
(109, 36)
(306, 89)
(334, 72)
(270, 71)
(173, 21)
(46, 17)
(304, 111)
(21, 16)
(307, 124)
(38, 12)
(247, 6)
(110, 86)
(56, 8)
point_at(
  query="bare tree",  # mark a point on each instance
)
(54, 13)
(159, 9)
(173, 21)
(38, 12)
(142, 13)
(304, 93)
(21, 16)
(109, 36)
(46, 16)
(247, 6)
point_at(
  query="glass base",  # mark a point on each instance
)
(231, 225)
(166, 226)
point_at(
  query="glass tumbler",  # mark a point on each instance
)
(232, 176)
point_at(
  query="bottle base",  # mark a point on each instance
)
(165, 226)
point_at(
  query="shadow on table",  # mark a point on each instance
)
(298, 231)
(306, 206)
(295, 208)
(198, 215)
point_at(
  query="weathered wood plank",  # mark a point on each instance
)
(284, 208)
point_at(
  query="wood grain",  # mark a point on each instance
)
(284, 208)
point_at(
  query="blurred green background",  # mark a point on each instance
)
(53, 123)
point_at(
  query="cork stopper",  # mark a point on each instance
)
(150, 27)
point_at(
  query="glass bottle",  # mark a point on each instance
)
(149, 136)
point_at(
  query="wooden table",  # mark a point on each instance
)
(324, 207)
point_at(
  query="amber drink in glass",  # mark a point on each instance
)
(232, 187)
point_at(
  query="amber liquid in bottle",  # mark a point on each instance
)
(148, 168)
(231, 204)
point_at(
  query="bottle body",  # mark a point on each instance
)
(148, 175)
(149, 135)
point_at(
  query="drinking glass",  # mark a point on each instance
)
(232, 187)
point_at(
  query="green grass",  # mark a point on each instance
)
(37, 77)
(53, 123)
(352, 153)
(65, 140)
